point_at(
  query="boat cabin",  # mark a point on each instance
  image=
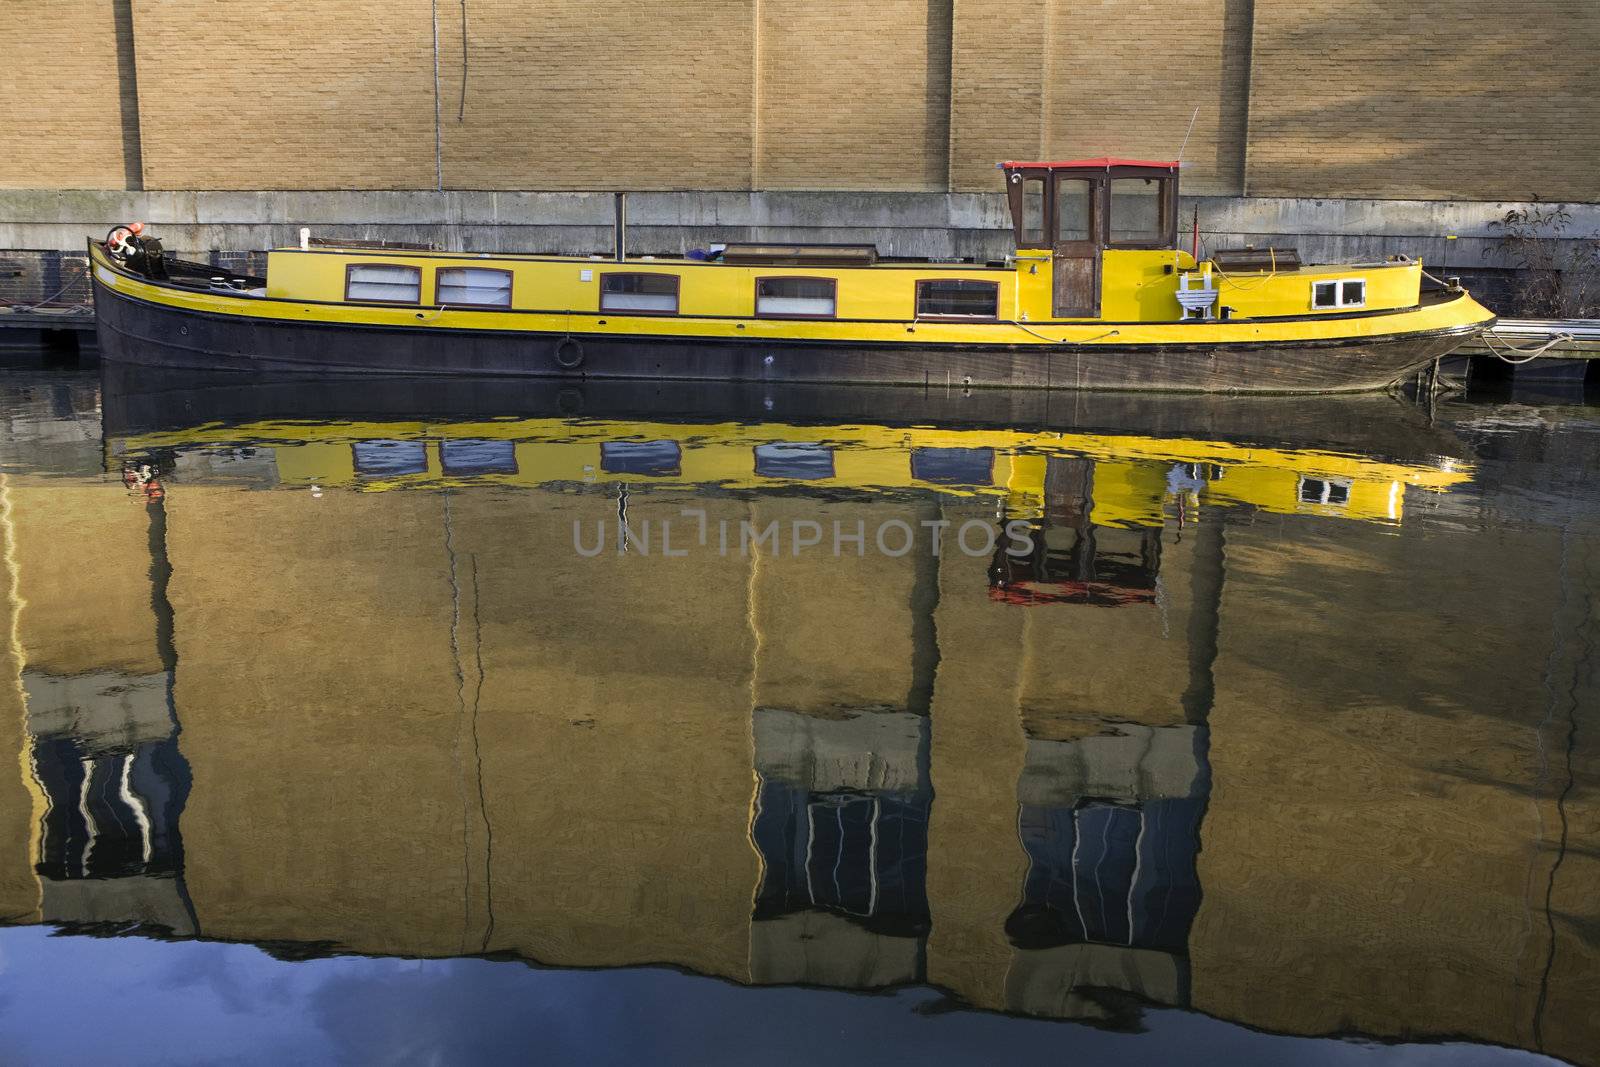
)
(1077, 209)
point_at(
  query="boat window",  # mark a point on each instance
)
(1074, 209)
(654, 459)
(478, 286)
(388, 283)
(654, 293)
(792, 460)
(386, 459)
(953, 466)
(1032, 235)
(1349, 293)
(809, 297)
(472, 456)
(1136, 210)
(957, 298)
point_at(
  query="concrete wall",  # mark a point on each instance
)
(903, 224)
(1435, 99)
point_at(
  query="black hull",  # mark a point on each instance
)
(136, 332)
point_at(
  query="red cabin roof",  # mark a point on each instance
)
(1100, 163)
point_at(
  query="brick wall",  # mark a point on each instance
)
(996, 88)
(1437, 99)
(282, 94)
(61, 88)
(854, 96)
(1360, 99)
(1125, 79)
(568, 94)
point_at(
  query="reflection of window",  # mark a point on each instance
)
(475, 286)
(785, 460)
(110, 815)
(650, 458)
(1074, 215)
(802, 297)
(1324, 491)
(385, 459)
(654, 293)
(1109, 873)
(953, 466)
(860, 855)
(957, 298)
(1136, 210)
(387, 283)
(464, 457)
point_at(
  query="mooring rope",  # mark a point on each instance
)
(1529, 354)
(1063, 340)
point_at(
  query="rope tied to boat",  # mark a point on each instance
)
(1063, 340)
(1528, 354)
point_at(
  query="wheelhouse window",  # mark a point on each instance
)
(1137, 207)
(655, 294)
(1346, 293)
(957, 298)
(473, 286)
(386, 283)
(812, 298)
(1032, 235)
(1074, 209)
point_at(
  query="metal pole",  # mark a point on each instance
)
(620, 235)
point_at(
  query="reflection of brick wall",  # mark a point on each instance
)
(1441, 100)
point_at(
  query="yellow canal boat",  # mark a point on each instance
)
(1097, 295)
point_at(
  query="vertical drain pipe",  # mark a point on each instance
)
(619, 238)
(438, 144)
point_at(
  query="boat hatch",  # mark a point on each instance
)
(810, 255)
(1078, 208)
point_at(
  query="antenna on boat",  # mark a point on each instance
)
(1186, 134)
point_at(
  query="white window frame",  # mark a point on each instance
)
(1339, 300)
(459, 278)
(375, 277)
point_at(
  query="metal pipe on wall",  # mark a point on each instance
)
(619, 240)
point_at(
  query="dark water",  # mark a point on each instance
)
(427, 722)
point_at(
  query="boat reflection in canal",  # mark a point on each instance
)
(1255, 728)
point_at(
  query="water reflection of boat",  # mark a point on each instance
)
(404, 712)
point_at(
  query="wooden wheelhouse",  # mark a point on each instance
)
(1071, 212)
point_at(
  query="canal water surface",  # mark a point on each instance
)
(432, 722)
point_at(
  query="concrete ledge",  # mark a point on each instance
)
(1452, 234)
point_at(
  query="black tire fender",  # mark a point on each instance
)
(569, 353)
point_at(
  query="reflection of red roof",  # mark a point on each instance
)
(1100, 163)
(1103, 594)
